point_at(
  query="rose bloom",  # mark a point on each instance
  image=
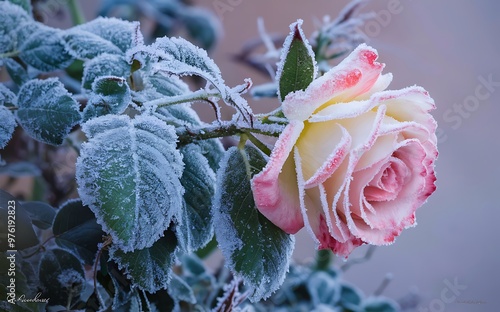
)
(355, 161)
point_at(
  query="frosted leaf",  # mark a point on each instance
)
(16, 71)
(167, 85)
(128, 174)
(120, 33)
(7, 126)
(110, 95)
(7, 97)
(148, 268)
(45, 51)
(86, 45)
(179, 57)
(297, 67)
(11, 16)
(254, 248)
(47, 112)
(195, 228)
(104, 65)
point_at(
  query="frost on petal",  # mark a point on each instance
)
(313, 212)
(275, 187)
(128, 174)
(354, 76)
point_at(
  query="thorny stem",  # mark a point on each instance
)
(200, 95)
(187, 135)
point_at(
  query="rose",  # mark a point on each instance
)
(355, 161)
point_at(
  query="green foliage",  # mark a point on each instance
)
(254, 248)
(46, 111)
(297, 68)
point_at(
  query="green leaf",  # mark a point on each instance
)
(21, 231)
(104, 65)
(128, 174)
(7, 126)
(149, 268)
(195, 227)
(61, 276)
(16, 71)
(254, 248)
(47, 112)
(120, 33)
(86, 45)
(11, 16)
(45, 50)
(110, 95)
(76, 229)
(297, 67)
(379, 304)
(42, 214)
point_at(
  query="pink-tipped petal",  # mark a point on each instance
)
(275, 187)
(355, 75)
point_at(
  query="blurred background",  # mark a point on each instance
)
(449, 47)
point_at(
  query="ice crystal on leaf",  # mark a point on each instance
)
(128, 174)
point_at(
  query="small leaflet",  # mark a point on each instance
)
(297, 67)
(47, 112)
(110, 95)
